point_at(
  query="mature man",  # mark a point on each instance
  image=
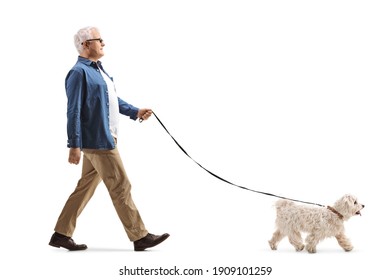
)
(93, 118)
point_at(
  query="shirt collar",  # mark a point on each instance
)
(88, 62)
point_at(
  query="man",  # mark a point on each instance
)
(93, 116)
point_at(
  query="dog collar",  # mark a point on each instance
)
(335, 211)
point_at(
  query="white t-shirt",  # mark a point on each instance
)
(113, 105)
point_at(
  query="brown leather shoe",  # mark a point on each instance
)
(150, 240)
(59, 240)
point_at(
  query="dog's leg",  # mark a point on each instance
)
(311, 243)
(295, 239)
(344, 242)
(276, 237)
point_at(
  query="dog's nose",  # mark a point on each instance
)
(363, 206)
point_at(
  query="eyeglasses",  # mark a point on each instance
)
(97, 39)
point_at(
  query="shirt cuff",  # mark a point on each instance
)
(74, 143)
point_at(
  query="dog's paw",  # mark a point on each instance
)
(348, 249)
(311, 250)
(272, 245)
(300, 248)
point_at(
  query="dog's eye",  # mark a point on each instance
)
(355, 202)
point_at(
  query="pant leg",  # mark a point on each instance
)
(109, 166)
(76, 202)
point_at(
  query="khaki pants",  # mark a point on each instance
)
(103, 165)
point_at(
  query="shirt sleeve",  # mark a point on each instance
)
(127, 109)
(74, 91)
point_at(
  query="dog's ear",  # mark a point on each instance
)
(350, 199)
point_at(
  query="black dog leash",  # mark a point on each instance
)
(222, 179)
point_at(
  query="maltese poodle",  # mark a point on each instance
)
(318, 223)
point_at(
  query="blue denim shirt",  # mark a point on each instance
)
(88, 107)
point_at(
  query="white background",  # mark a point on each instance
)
(287, 97)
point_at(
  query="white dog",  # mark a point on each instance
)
(317, 222)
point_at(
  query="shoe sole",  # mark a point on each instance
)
(54, 245)
(58, 246)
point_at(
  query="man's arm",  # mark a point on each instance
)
(132, 111)
(73, 86)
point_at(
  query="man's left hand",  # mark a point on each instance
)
(144, 113)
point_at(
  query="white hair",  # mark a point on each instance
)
(82, 35)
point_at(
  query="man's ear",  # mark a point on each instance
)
(86, 45)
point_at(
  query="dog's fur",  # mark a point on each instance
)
(317, 222)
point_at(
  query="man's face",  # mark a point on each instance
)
(95, 46)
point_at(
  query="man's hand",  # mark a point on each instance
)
(144, 113)
(74, 155)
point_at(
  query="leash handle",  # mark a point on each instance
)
(222, 179)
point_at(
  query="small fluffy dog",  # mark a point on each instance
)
(317, 222)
